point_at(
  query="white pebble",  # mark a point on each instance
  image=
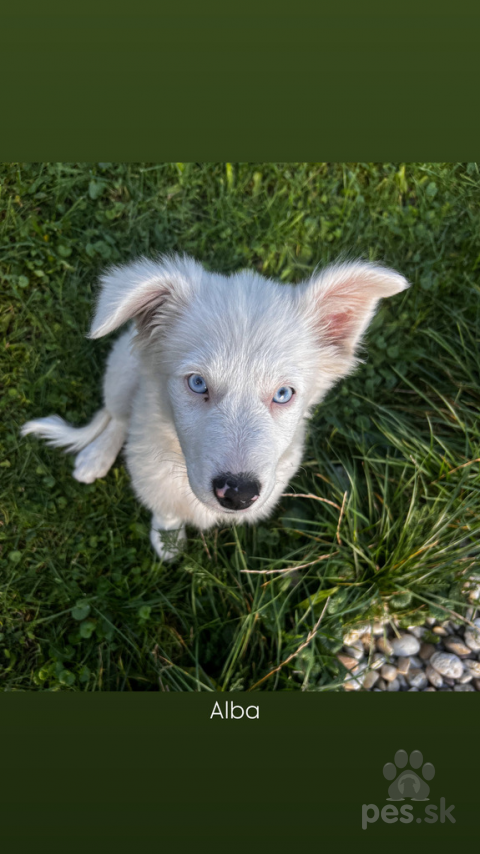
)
(394, 685)
(467, 687)
(405, 645)
(447, 664)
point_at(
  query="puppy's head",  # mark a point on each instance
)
(241, 360)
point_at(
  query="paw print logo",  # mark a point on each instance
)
(408, 784)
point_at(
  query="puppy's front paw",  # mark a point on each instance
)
(167, 544)
(89, 466)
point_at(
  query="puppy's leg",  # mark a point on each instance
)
(119, 385)
(166, 536)
(121, 377)
(99, 456)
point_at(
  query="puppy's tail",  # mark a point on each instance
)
(62, 435)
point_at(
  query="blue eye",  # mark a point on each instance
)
(197, 384)
(283, 394)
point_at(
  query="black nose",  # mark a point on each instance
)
(235, 491)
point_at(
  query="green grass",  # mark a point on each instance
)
(84, 605)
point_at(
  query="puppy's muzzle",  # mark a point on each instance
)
(236, 491)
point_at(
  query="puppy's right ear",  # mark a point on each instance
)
(145, 290)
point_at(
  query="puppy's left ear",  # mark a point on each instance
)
(341, 301)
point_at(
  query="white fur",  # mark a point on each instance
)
(247, 336)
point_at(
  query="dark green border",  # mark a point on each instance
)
(285, 82)
(132, 770)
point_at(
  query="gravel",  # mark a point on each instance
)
(439, 656)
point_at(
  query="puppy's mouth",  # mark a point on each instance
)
(238, 512)
(217, 508)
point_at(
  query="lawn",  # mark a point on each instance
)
(390, 524)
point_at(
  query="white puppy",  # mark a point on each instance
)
(211, 386)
